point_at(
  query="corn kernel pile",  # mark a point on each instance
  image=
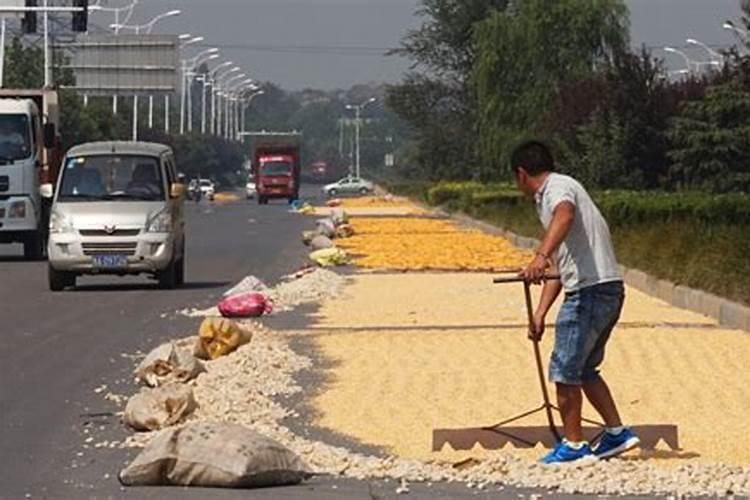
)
(422, 244)
(376, 201)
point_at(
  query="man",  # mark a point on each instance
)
(577, 244)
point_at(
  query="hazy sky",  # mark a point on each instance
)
(336, 43)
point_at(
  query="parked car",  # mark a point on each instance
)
(208, 188)
(349, 185)
(118, 210)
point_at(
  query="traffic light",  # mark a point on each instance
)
(28, 23)
(81, 18)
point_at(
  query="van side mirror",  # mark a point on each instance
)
(49, 135)
(177, 190)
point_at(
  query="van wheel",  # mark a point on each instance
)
(33, 247)
(60, 280)
(168, 277)
(180, 278)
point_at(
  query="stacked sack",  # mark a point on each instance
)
(321, 241)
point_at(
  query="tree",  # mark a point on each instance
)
(711, 141)
(525, 54)
(437, 98)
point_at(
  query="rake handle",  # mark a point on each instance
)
(537, 351)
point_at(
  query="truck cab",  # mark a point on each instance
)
(29, 157)
(276, 167)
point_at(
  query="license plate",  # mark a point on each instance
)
(111, 261)
(276, 191)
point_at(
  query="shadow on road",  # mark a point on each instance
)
(195, 285)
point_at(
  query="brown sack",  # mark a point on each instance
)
(166, 364)
(154, 409)
(214, 455)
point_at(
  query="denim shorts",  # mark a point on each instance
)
(584, 324)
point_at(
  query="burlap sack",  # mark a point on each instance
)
(214, 455)
(320, 243)
(167, 364)
(154, 409)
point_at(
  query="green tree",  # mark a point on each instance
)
(525, 54)
(711, 141)
(437, 98)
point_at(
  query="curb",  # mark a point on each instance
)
(727, 313)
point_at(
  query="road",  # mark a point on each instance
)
(56, 349)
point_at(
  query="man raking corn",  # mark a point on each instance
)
(577, 244)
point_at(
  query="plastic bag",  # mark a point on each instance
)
(218, 337)
(307, 210)
(330, 257)
(214, 455)
(167, 364)
(321, 242)
(344, 231)
(326, 227)
(247, 285)
(155, 409)
(245, 305)
(307, 236)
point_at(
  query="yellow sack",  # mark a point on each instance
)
(218, 337)
(307, 210)
(330, 257)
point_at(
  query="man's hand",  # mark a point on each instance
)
(536, 329)
(536, 270)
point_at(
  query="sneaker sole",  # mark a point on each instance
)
(626, 446)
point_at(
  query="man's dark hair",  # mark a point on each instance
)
(534, 156)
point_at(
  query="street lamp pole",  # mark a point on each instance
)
(187, 68)
(711, 52)
(688, 61)
(357, 126)
(216, 104)
(212, 81)
(227, 101)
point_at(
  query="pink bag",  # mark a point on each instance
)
(245, 305)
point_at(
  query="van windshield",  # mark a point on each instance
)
(15, 137)
(111, 177)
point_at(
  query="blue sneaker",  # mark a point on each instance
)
(563, 452)
(611, 445)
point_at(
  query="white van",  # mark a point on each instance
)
(118, 209)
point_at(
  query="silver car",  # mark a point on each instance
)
(118, 209)
(349, 185)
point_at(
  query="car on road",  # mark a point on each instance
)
(117, 210)
(349, 185)
(208, 188)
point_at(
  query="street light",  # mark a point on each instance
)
(729, 25)
(149, 26)
(712, 52)
(130, 8)
(688, 61)
(245, 105)
(228, 87)
(215, 78)
(234, 101)
(187, 66)
(223, 106)
(358, 109)
(190, 41)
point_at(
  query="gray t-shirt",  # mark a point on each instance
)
(586, 257)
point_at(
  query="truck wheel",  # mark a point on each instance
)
(33, 247)
(59, 280)
(168, 277)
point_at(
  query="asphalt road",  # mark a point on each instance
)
(56, 349)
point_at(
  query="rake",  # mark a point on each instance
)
(497, 436)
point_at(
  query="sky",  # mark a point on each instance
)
(329, 44)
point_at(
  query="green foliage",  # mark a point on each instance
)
(437, 99)
(525, 54)
(711, 141)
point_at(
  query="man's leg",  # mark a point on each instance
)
(600, 397)
(570, 401)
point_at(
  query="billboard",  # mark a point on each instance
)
(106, 65)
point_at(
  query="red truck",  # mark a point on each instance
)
(276, 167)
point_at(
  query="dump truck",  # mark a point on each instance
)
(30, 157)
(276, 166)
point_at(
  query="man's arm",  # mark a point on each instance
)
(550, 291)
(562, 221)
